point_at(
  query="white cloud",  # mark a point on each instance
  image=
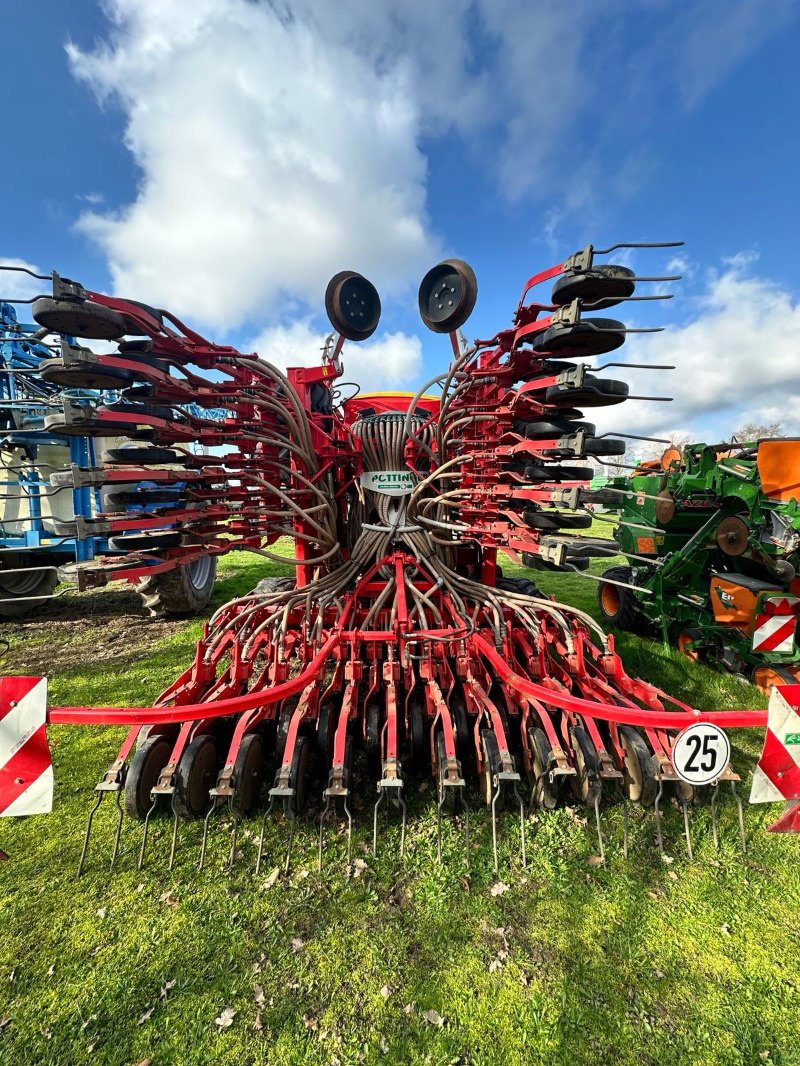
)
(394, 361)
(736, 360)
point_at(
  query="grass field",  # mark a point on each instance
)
(565, 962)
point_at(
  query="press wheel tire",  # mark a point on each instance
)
(326, 731)
(640, 782)
(373, 740)
(554, 427)
(147, 763)
(619, 606)
(185, 590)
(464, 745)
(585, 783)
(491, 767)
(604, 446)
(158, 540)
(195, 776)
(552, 520)
(84, 375)
(299, 775)
(78, 318)
(24, 586)
(352, 305)
(601, 286)
(545, 792)
(145, 456)
(447, 295)
(249, 775)
(420, 750)
(445, 797)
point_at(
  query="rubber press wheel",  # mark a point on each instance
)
(447, 295)
(249, 775)
(147, 763)
(491, 767)
(298, 779)
(545, 791)
(352, 305)
(78, 318)
(585, 783)
(373, 739)
(601, 286)
(196, 774)
(145, 456)
(445, 796)
(641, 783)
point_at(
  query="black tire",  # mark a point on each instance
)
(550, 521)
(554, 427)
(78, 318)
(594, 392)
(268, 585)
(84, 375)
(585, 783)
(158, 540)
(145, 456)
(195, 776)
(185, 590)
(419, 734)
(604, 446)
(588, 337)
(619, 606)
(144, 410)
(601, 286)
(249, 775)
(464, 743)
(373, 739)
(147, 763)
(353, 305)
(556, 472)
(545, 792)
(445, 797)
(523, 586)
(16, 588)
(326, 733)
(141, 498)
(641, 784)
(298, 779)
(491, 767)
(447, 295)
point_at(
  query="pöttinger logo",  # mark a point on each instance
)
(389, 482)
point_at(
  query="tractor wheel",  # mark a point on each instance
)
(641, 784)
(184, 590)
(586, 782)
(196, 774)
(147, 763)
(619, 606)
(445, 797)
(590, 336)
(491, 767)
(249, 773)
(16, 590)
(545, 791)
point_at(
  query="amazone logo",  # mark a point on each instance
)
(390, 482)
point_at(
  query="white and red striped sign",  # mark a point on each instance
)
(774, 632)
(26, 773)
(777, 776)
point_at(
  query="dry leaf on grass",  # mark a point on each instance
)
(146, 1016)
(498, 888)
(225, 1019)
(297, 944)
(434, 1017)
(596, 860)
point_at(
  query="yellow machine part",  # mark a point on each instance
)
(778, 464)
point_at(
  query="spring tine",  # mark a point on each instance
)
(495, 797)
(439, 830)
(523, 849)
(686, 829)
(375, 822)
(118, 833)
(598, 825)
(466, 828)
(144, 833)
(174, 832)
(323, 816)
(714, 798)
(402, 803)
(349, 831)
(290, 841)
(624, 797)
(657, 809)
(207, 821)
(738, 799)
(267, 813)
(85, 848)
(234, 835)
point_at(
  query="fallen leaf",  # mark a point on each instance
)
(423, 786)
(146, 1016)
(297, 944)
(668, 859)
(725, 929)
(434, 1017)
(225, 1019)
(102, 912)
(384, 1045)
(258, 996)
(51, 971)
(270, 879)
(169, 898)
(310, 1022)
(165, 991)
(359, 867)
(88, 1022)
(145, 1062)
(498, 888)
(408, 1009)
(672, 875)
(4, 1024)
(386, 991)
(258, 1024)
(596, 860)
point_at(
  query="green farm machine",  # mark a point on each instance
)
(712, 540)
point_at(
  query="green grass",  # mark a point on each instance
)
(637, 962)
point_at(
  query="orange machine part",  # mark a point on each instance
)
(734, 604)
(778, 464)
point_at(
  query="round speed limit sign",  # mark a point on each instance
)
(701, 753)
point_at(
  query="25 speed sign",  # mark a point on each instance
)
(701, 753)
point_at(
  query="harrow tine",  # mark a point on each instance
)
(267, 813)
(495, 798)
(657, 810)
(625, 816)
(740, 811)
(290, 842)
(234, 834)
(466, 828)
(375, 821)
(323, 816)
(144, 833)
(118, 832)
(439, 807)
(349, 831)
(714, 799)
(523, 850)
(174, 843)
(686, 829)
(402, 803)
(215, 805)
(85, 848)
(600, 842)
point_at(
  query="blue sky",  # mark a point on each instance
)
(224, 158)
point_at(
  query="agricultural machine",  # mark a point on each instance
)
(400, 647)
(712, 535)
(51, 531)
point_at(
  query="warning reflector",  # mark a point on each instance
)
(26, 773)
(777, 776)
